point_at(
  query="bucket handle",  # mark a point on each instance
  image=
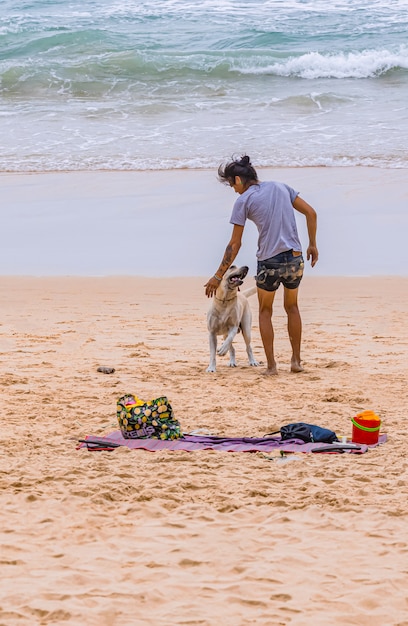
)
(369, 430)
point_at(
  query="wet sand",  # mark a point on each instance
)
(176, 223)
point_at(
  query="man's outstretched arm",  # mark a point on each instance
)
(230, 254)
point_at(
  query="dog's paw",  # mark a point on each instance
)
(255, 363)
(210, 368)
(232, 364)
(223, 349)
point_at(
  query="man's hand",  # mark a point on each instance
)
(211, 287)
(313, 254)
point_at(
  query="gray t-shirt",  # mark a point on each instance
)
(269, 206)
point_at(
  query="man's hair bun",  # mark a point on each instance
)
(245, 160)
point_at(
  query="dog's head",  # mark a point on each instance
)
(234, 276)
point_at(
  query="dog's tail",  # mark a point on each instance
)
(249, 292)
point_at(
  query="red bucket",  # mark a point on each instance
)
(366, 428)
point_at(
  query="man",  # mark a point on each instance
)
(270, 206)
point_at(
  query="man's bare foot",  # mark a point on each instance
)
(270, 371)
(296, 367)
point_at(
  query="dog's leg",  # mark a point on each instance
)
(213, 352)
(251, 358)
(246, 333)
(232, 362)
(226, 345)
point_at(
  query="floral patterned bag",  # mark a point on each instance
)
(153, 419)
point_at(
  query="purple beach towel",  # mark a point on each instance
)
(190, 443)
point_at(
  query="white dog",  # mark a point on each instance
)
(229, 313)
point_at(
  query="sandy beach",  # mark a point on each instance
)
(115, 117)
(107, 269)
(129, 538)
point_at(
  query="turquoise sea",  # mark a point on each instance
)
(159, 84)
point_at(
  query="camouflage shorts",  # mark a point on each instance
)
(283, 268)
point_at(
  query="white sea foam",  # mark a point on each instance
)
(365, 64)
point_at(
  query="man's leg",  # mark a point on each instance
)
(265, 299)
(294, 326)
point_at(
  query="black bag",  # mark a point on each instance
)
(307, 433)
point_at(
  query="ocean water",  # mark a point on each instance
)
(159, 84)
